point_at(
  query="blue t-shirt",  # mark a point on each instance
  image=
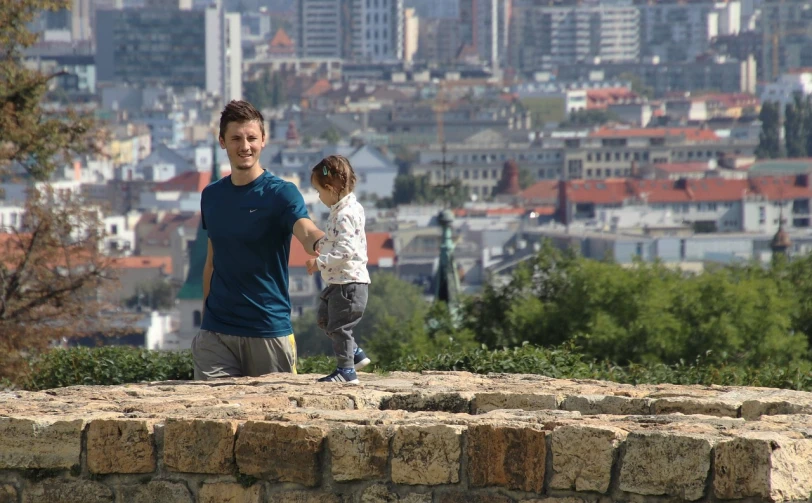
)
(250, 227)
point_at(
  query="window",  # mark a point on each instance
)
(762, 215)
(196, 319)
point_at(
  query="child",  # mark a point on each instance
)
(342, 261)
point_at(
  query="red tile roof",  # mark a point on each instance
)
(601, 98)
(320, 87)
(782, 188)
(540, 192)
(281, 40)
(693, 134)
(191, 181)
(138, 262)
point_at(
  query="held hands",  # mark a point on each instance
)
(311, 266)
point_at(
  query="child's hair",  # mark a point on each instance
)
(334, 172)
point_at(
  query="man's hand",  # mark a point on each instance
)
(308, 234)
(311, 265)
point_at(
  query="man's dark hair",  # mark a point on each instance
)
(240, 111)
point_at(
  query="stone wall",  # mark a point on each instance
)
(413, 438)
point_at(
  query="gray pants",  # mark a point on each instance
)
(340, 309)
(219, 355)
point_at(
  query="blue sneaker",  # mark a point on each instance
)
(347, 376)
(360, 359)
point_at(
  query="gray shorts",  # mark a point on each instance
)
(218, 355)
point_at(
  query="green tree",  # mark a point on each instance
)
(410, 189)
(331, 136)
(638, 86)
(769, 143)
(155, 295)
(51, 271)
(589, 118)
(526, 178)
(795, 121)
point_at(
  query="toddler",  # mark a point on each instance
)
(342, 262)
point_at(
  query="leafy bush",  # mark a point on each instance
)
(107, 365)
(120, 365)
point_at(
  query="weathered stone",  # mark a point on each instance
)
(470, 497)
(40, 443)
(358, 452)
(419, 401)
(688, 405)
(672, 464)
(585, 499)
(583, 457)
(160, 491)
(426, 455)
(230, 493)
(329, 402)
(304, 497)
(507, 456)
(68, 491)
(763, 465)
(610, 404)
(8, 494)
(195, 446)
(486, 402)
(379, 493)
(280, 452)
(120, 446)
(772, 406)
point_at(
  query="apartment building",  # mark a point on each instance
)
(786, 28)
(357, 30)
(545, 37)
(171, 47)
(598, 155)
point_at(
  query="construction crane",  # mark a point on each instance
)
(440, 107)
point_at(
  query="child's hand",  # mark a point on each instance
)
(311, 266)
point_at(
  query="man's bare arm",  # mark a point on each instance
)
(308, 234)
(208, 270)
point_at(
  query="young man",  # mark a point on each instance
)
(250, 217)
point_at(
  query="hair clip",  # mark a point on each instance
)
(324, 170)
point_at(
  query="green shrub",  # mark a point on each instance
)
(107, 365)
(119, 365)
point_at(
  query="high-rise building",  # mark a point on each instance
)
(786, 27)
(321, 28)
(179, 48)
(546, 37)
(411, 32)
(358, 30)
(676, 31)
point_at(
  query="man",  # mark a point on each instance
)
(250, 217)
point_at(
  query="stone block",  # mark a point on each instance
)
(304, 497)
(609, 404)
(471, 497)
(486, 402)
(583, 457)
(280, 452)
(328, 402)
(456, 402)
(120, 446)
(671, 464)
(8, 494)
(358, 452)
(379, 493)
(199, 446)
(160, 491)
(507, 456)
(230, 493)
(763, 465)
(40, 443)
(688, 405)
(68, 491)
(426, 455)
(772, 406)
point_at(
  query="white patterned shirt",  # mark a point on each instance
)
(343, 254)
